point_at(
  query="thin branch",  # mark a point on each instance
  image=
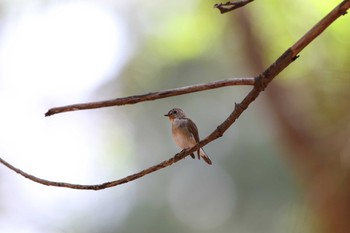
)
(105, 185)
(261, 83)
(152, 95)
(230, 6)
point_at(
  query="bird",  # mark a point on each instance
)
(185, 132)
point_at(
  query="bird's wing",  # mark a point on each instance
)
(193, 129)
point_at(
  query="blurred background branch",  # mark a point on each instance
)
(230, 6)
(315, 159)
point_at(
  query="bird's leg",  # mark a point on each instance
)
(187, 149)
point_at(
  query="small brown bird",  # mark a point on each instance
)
(185, 132)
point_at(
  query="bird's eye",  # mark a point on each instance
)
(175, 112)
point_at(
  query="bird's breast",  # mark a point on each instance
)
(182, 136)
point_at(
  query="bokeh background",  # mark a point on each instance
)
(282, 167)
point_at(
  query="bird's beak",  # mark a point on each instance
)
(166, 115)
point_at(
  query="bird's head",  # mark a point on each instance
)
(175, 113)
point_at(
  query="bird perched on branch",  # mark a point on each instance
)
(185, 132)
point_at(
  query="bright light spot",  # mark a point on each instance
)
(56, 54)
(66, 48)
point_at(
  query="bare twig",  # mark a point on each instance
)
(260, 84)
(152, 95)
(105, 185)
(230, 6)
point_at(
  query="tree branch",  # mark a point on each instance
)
(152, 95)
(230, 6)
(105, 185)
(260, 84)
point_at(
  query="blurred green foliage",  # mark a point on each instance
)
(189, 42)
(251, 186)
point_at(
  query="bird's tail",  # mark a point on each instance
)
(204, 156)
